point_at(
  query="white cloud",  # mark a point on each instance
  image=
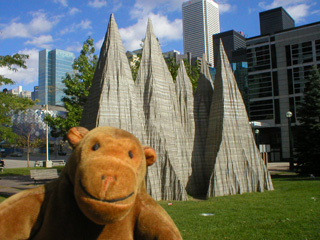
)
(298, 12)
(298, 9)
(76, 47)
(279, 3)
(25, 76)
(43, 41)
(15, 30)
(98, 44)
(39, 24)
(84, 24)
(74, 11)
(98, 3)
(225, 7)
(62, 2)
(145, 7)
(165, 30)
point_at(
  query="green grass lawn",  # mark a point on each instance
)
(22, 171)
(291, 211)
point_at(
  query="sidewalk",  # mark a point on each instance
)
(21, 162)
(10, 185)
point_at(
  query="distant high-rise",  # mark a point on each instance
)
(200, 19)
(275, 20)
(234, 44)
(53, 66)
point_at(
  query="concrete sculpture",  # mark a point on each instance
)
(204, 143)
(168, 177)
(112, 99)
(232, 161)
(185, 105)
(197, 184)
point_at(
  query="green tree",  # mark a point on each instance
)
(173, 66)
(308, 132)
(193, 72)
(10, 103)
(12, 62)
(134, 65)
(77, 86)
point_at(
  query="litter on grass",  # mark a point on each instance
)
(207, 214)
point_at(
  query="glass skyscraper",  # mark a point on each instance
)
(53, 66)
(200, 19)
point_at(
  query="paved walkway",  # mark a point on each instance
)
(10, 185)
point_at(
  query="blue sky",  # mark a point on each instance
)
(27, 26)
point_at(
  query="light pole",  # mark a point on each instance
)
(47, 137)
(256, 133)
(289, 116)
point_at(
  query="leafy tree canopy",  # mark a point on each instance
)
(12, 62)
(77, 86)
(8, 102)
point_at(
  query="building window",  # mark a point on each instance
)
(302, 53)
(273, 56)
(317, 44)
(258, 58)
(260, 85)
(288, 55)
(277, 111)
(261, 110)
(275, 83)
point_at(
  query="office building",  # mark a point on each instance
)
(275, 20)
(35, 93)
(19, 92)
(53, 66)
(200, 20)
(278, 64)
(234, 44)
(235, 47)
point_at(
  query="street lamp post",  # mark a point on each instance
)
(289, 116)
(256, 132)
(47, 137)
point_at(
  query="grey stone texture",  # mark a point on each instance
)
(203, 142)
(112, 99)
(232, 160)
(198, 184)
(167, 178)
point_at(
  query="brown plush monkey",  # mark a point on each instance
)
(99, 195)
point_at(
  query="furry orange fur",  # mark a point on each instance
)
(100, 194)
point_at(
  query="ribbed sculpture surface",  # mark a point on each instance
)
(185, 105)
(184, 93)
(168, 177)
(204, 144)
(232, 159)
(112, 99)
(198, 184)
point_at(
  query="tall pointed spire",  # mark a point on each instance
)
(167, 178)
(112, 99)
(185, 102)
(197, 185)
(232, 161)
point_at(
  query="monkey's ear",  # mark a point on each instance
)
(151, 155)
(75, 135)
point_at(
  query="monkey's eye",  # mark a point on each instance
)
(130, 154)
(95, 147)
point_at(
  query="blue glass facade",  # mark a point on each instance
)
(53, 66)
